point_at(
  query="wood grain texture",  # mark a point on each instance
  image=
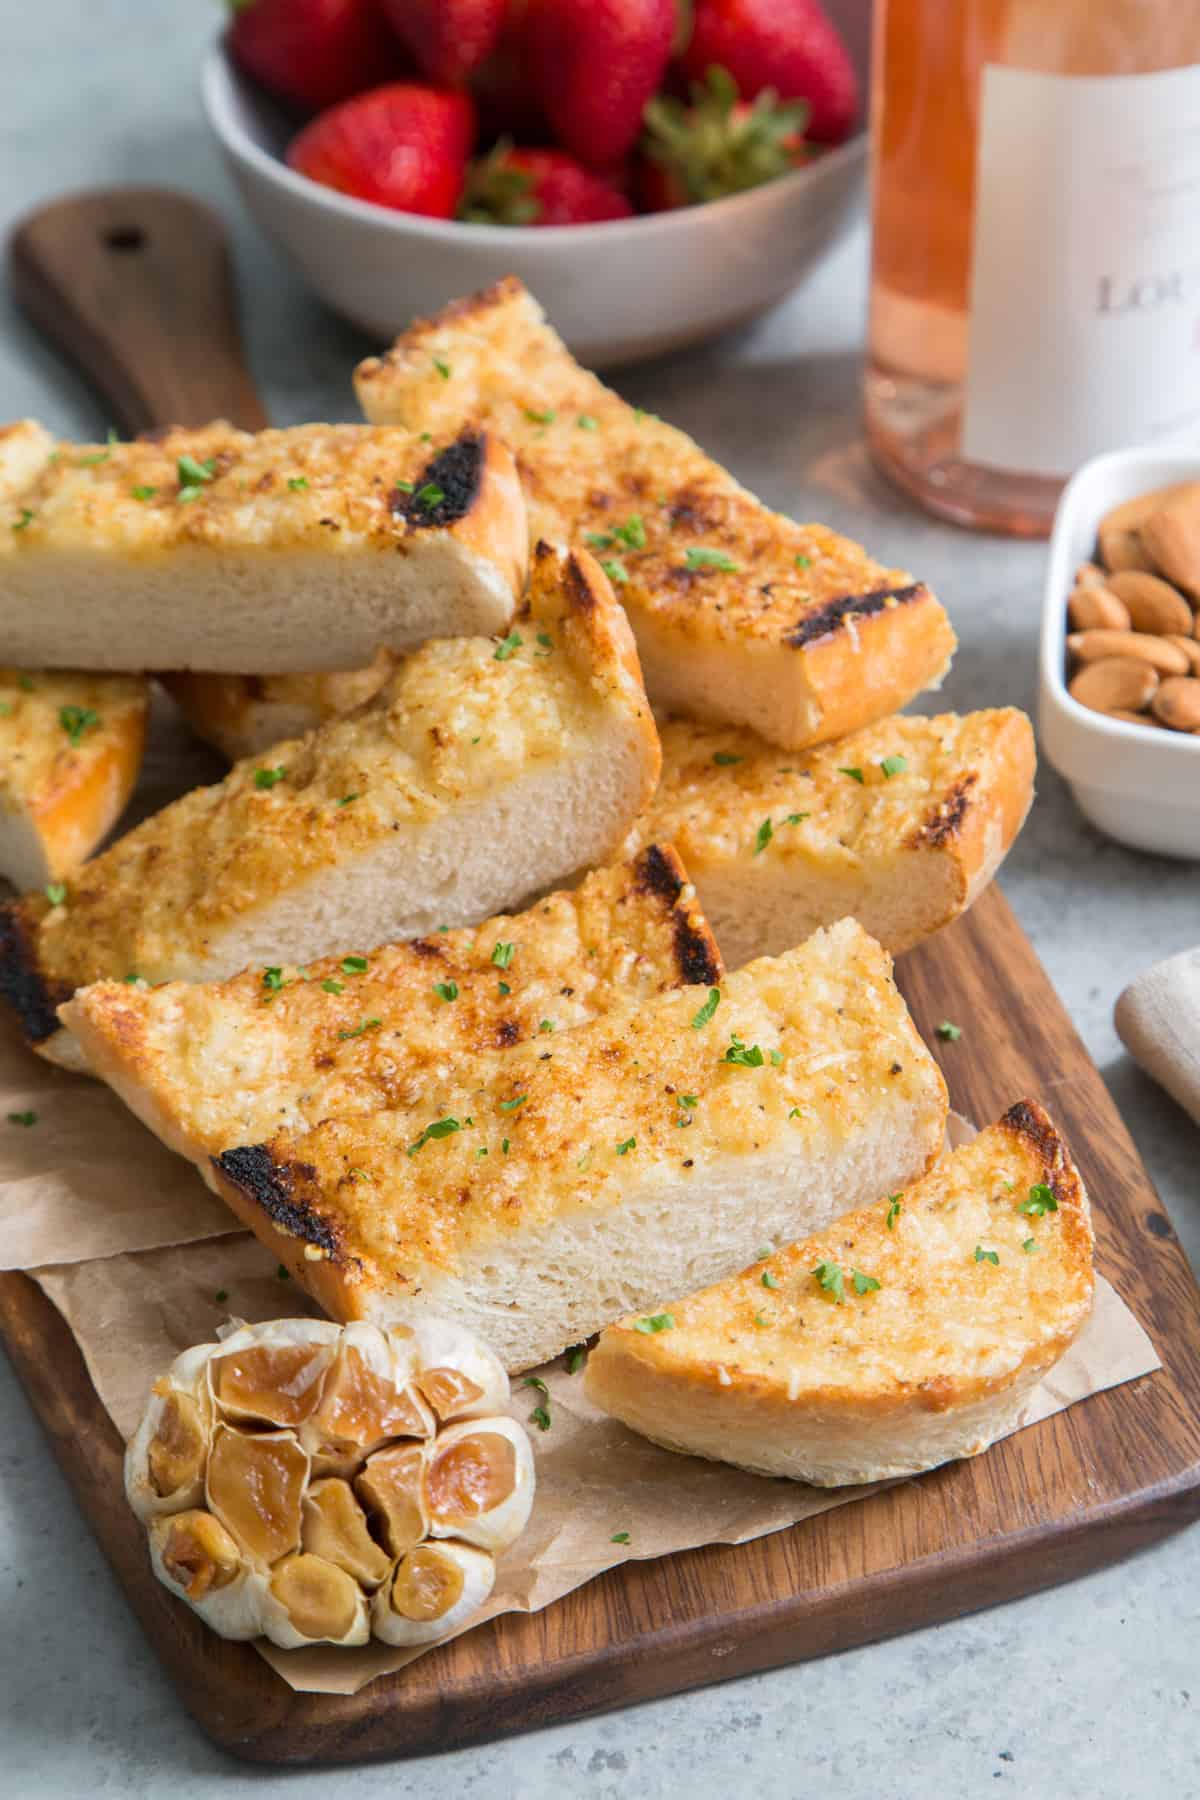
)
(135, 285)
(1081, 1489)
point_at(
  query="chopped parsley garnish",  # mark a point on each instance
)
(193, 475)
(599, 540)
(545, 640)
(367, 1025)
(893, 765)
(267, 778)
(297, 483)
(982, 1255)
(725, 759)
(22, 1118)
(354, 965)
(586, 422)
(585, 1161)
(619, 1537)
(221, 1295)
(576, 1358)
(699, 556)
(763, 836)
(701, 1018)
(404, 487)
(540, 418)
(75, 720)
(689, 1100)
(796, 818)
(56, 892)
(502, 988)
(830, 1277)
(504, 1146)
(776, 1057)
(1041, 1200)
(446, 990)
(509, 647)
(347, 799)
(540, 1417)
(430, 496)
(440, 1128)
(272, 980)
(282, 1274)
(546, 1025)
(24, 519)
(632, 533)
(951, 1033)
(512, 1105)
(144, 493)
(442, 367)
(626, 1145)
(615, 569)
(768, 1280)
(763, 1251)
(804, 562)
(895, 1202)
(863, 1284)
(133, 977)
(1029, 1245)
(26, 683)
(89, 462)
(760, 1321)
(502, 955)
(655, 1323)
(854, 774)
(333, 987)
(744, 1056)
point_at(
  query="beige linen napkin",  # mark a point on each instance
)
(1158, 1021)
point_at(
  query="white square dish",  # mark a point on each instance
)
(1138, 784)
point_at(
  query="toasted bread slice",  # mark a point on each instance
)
(537, 1194)
(740, 615)
(243, 715)
(907, 1334)
(70, 750)
(482, 772)
(270, 553)
(901, 825)
(206, 1066)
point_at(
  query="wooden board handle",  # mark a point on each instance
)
(135, 285)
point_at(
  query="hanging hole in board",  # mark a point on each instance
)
(125, 238)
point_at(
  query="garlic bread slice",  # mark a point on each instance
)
(210, 1065)
(267, 552)
(483, 771)
(905, 1334)
(243, 715)
(901, 825)
(741, 616)
(70, 750)
(535, 1195)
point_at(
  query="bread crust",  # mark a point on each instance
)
(375, 1213)
(236, 520)
(209, 1066)
(788, 628)
(906, 842)
(457, 727)
(70, 750)
(933, 1363)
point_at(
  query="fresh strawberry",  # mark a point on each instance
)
(448, 38)
(717, 145)
(787, 45)
(313, 53)
(503, 85)
(594, 65)
(402, 146)
(538, 187)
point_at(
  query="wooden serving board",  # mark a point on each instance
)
(1083, 1488)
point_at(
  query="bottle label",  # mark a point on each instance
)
(1085, 276)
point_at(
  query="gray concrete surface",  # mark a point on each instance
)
(1084, 1692)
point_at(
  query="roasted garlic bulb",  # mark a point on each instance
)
(314, 1483)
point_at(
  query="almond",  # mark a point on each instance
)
(1171, 537)
(1152, 603)
(1134, 718)
(1090, 574)
(1136, 646)
(1095, 608)
(1115, 684)
(1121, 549)
(1190, 648)
(1177, 703)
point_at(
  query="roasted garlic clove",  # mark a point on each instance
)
(479, 1482)
(255, 1486)
(311, 1601)
(273, 1374)
(392, 1488)
(454, 1370)
(165, 1459)
(232, 1607)
(368, 1397)
(334, 1526)
(435, 1588)
(198, 1553)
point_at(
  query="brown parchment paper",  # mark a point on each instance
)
(132, 1314)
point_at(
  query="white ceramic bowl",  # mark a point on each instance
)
(1140, 785)
(618, 291)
